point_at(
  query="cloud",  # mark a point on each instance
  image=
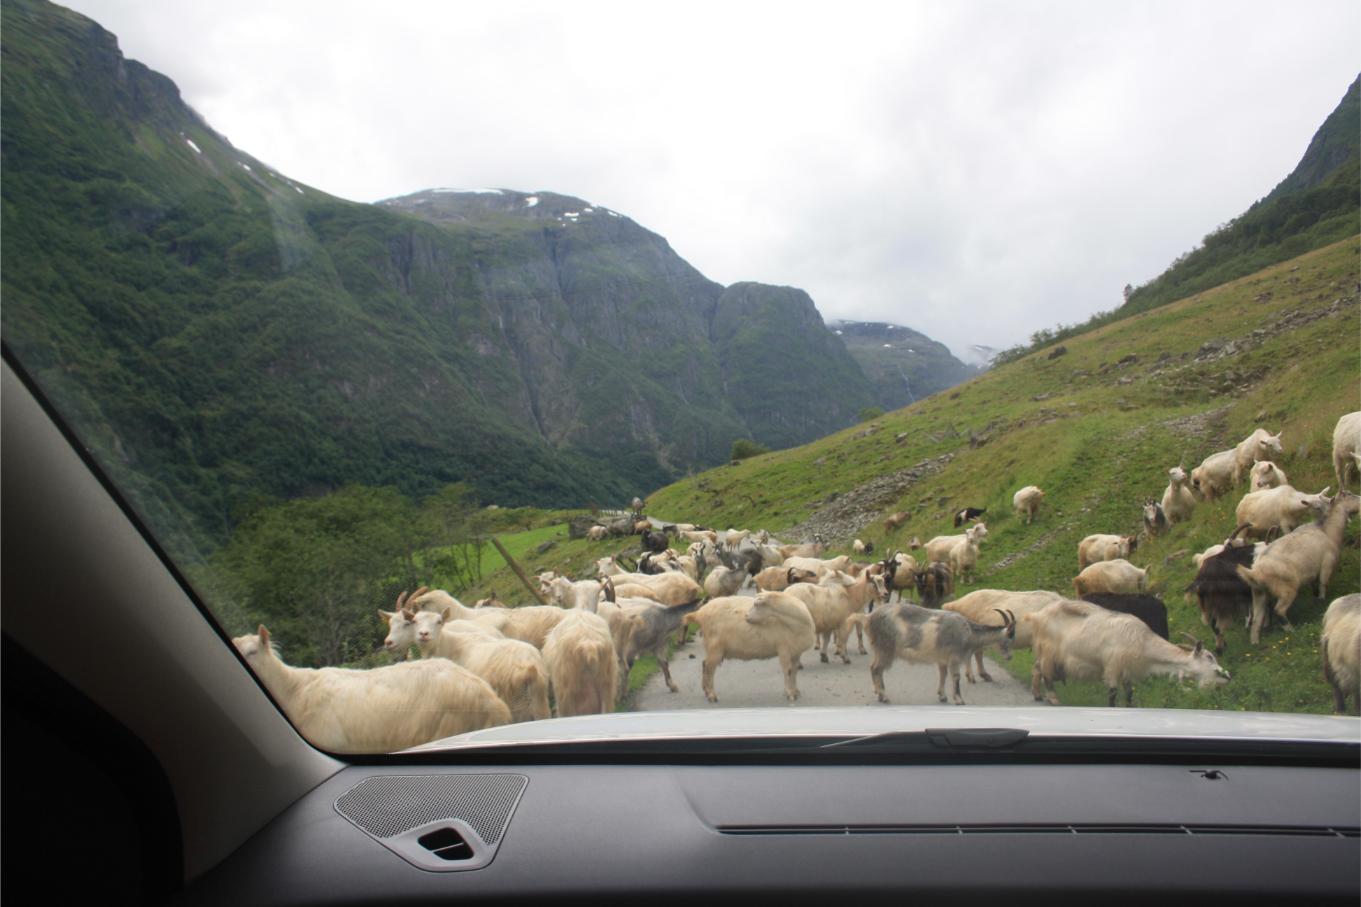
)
(976, 170)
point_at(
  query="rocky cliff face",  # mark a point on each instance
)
(788, 376)
(903, 365)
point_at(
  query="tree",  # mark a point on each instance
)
(314, 570)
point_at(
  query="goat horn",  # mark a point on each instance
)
(401, 600)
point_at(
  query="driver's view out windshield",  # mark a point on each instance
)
(479, 364)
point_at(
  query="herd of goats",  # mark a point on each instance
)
(491, 664)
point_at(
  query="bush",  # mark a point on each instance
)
(868, 413)
(743, 448)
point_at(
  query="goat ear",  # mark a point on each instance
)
(444, 615)
(263, 634)
(386, 615)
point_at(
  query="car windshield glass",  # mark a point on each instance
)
(481, 365)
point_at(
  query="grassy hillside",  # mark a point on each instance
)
(1097, 428)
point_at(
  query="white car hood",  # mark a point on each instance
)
(1184, 724)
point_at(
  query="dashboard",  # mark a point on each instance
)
(968, 833)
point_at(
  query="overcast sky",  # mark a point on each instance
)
(975, 170)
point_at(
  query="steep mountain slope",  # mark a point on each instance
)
(1097, 429)
(904, 365)
(222, 335)
(1318, 203)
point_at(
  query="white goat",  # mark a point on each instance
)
(771, 625)
(379, 710)
(1347, 448)
(530, 624)
(1260, 445)
(1081, 641)
(819, 566)
(582, 665)
(982, 606)
(667, 588)
(1266, 474)
(833, 600)
(1026, 502)
(1101, 547)
(778, 579)
(1283, 508)
(1340, 649)
(734, 538)
(1214, 475)
(563, 592)
(1178, 500)
(1113, 577)
(514, 669)
(960, 552)
(1309, 553)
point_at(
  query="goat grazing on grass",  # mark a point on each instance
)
(1082, 641)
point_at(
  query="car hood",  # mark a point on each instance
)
(754, 724)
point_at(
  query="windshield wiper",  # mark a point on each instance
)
(971, 738)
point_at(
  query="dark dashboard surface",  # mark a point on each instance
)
(966, 833)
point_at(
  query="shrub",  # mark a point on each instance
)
(743, 448)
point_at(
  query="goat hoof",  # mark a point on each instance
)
(987, 678)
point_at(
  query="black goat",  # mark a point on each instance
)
(1221, 593)
(654, 541)
(969, 513)
(1148, 608)
(934, 585)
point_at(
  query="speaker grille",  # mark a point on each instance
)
(392, 804)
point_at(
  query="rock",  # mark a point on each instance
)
(1058, 351)
(546, 546)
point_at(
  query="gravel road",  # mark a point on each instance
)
(746, 684)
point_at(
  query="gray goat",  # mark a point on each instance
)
(924, 635)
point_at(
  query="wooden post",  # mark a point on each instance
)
(510, 561)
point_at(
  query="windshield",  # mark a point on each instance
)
(529, 363)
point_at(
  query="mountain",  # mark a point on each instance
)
(1318, 203)
(904, 365)
(223, 335)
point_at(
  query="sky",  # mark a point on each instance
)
(974, 169)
